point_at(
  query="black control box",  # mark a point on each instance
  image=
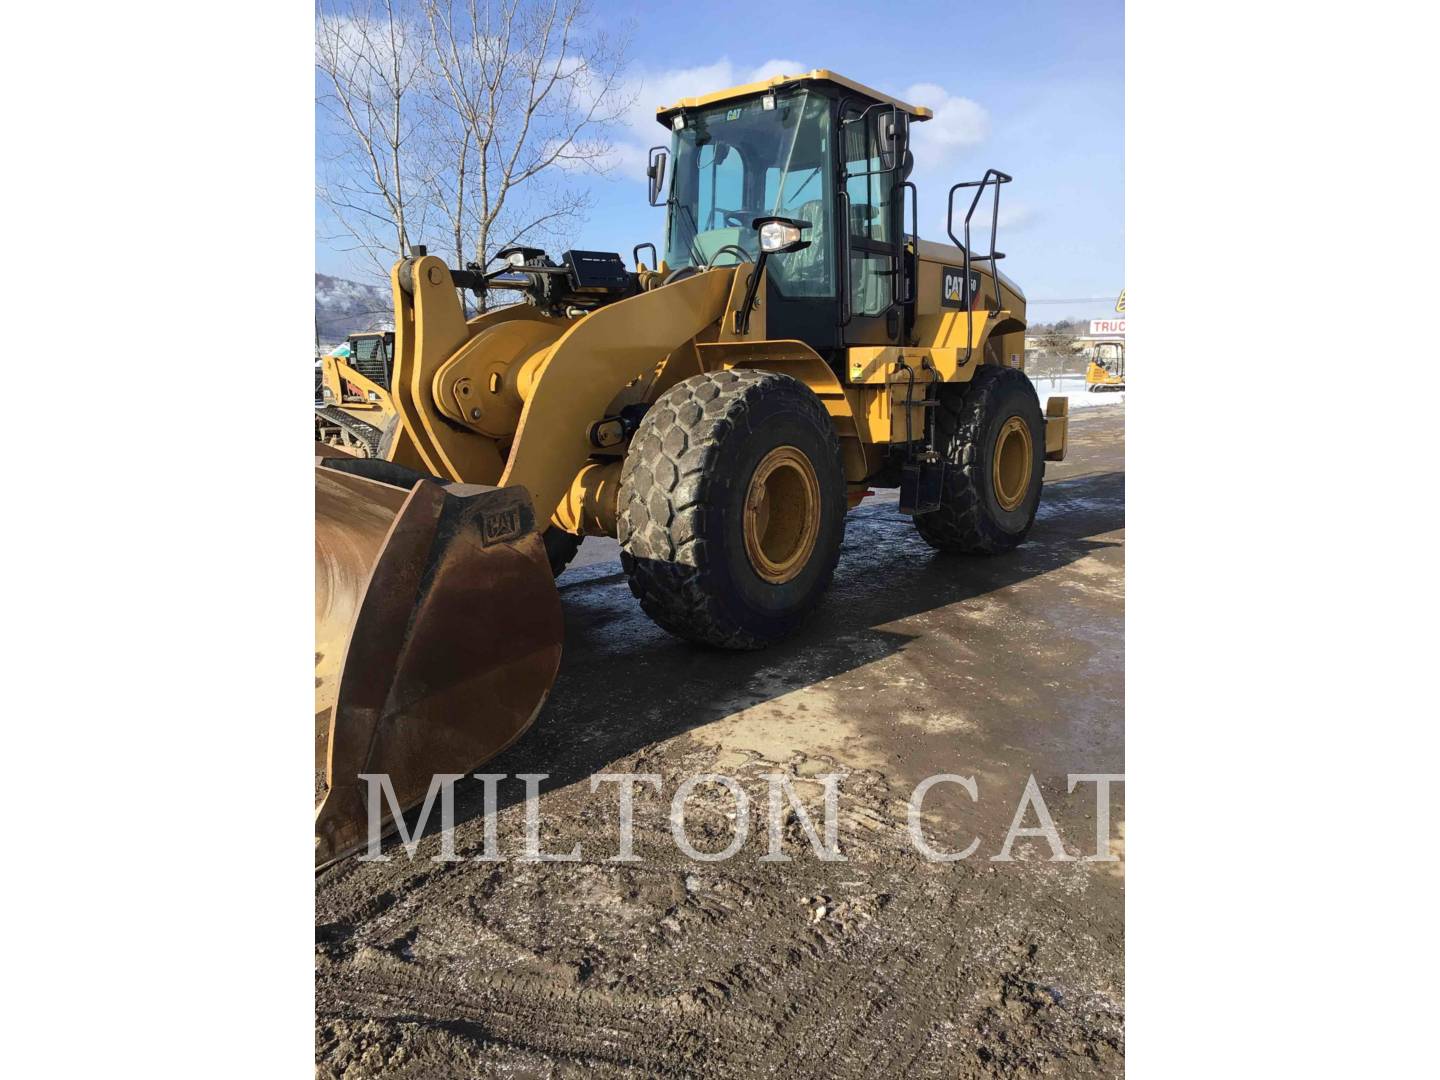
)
(597, 271)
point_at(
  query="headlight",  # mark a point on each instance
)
(781, 234)
(516, 258)
(777, 237)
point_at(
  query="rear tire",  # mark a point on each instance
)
(987, 505)
(732, 508)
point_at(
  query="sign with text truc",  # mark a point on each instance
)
(1107, 327)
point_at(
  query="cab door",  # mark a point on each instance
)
(869, 209)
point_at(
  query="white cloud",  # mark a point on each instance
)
(770, 68)
(959, 123)
(941, 147)
(1015, 215)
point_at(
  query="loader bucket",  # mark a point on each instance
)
(437, 635)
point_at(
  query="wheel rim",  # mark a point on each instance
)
(782, 515)
(1013, 457)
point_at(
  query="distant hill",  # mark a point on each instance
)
(345, 307)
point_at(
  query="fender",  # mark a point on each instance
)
(799, 360)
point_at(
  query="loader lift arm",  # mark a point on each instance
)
(566, 383)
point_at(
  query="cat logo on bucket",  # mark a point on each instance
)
(500, 525)
(952, 286)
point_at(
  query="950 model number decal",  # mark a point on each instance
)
(952, 286)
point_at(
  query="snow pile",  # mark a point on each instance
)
(1073, 387)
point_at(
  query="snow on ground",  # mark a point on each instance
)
(1073, 387)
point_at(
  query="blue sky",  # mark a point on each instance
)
(1035, 89)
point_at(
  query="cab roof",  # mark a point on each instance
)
(917, 112)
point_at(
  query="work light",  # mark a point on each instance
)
(779, 234)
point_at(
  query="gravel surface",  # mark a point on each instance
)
(884, 964)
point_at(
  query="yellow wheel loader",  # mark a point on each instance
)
(352, 394)
(717, 411)
(1106, 370)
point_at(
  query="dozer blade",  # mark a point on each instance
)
(437, 635)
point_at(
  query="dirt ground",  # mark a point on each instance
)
(881, 965)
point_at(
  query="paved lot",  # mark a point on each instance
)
(881, 965)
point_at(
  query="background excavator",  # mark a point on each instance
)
(718, 413)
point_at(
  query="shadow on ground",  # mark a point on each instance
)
(625, 683)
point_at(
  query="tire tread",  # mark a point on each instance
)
(962, 523)
(665, 497)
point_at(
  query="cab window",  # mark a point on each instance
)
(740, 161)
(870, 193)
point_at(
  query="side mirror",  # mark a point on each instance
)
(780, 234)
(655, 172)
(891, 128)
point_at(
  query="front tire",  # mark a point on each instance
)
(732, 508)
(992, 436)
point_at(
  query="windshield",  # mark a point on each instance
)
(740, 161)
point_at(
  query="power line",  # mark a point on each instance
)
(1077, 300)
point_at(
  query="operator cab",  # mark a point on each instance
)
(1110, 357)
(372, 354)
(816, 149)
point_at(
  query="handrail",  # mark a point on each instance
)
(904, 291)
(996, 177)
(844, 275)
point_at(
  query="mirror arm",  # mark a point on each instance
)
(742, 317)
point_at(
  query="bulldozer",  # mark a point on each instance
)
(717, 407)
(352, 393)
(1106, 369)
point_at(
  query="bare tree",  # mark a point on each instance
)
(373, 79)
(530, 94)
(485, 126)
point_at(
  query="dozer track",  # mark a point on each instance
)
(368, 434)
